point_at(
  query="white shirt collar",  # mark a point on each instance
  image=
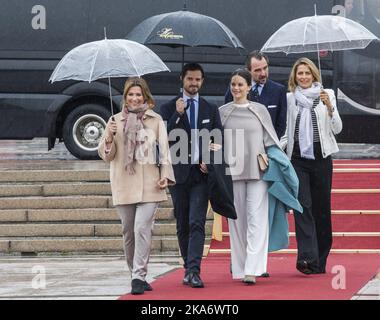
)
(196, 97)
(259, 84)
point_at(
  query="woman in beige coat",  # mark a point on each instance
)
(138, 177)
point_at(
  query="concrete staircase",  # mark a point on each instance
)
(70, 212)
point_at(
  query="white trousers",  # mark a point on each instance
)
(249, 233)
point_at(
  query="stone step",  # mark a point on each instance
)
(14, 190)
(64, 202)
(55, 189)
(68, 202)
(54, 175)
(68, 215)
(81, 229)
(83, 245)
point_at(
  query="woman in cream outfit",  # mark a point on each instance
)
(137, 183)
(248, 130)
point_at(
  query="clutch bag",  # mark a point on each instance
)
(263, 161)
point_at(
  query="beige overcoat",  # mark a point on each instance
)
(141, 186)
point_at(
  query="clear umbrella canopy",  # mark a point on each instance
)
(108, 58)
(316, 33)
(319, 33)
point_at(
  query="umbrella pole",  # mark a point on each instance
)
(183, 56)
(319, 65)
(316, 33)
(183, 63)
(109, 87)
(109, 81)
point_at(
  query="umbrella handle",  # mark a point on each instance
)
(113, 119)
(322, 90)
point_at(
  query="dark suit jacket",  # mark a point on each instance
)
(208, 118)
(273, 96)
(220, 187)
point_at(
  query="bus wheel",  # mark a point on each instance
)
(83, 129)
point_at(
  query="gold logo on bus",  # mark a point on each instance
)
(167, 33)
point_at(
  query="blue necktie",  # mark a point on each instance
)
(192, 113)
(255, 93)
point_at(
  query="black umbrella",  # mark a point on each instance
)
(184, 28)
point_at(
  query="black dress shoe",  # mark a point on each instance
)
(303, 266)
(147, 286)
(138, 286)
(195, 280)
(186, 279)
(264, 275)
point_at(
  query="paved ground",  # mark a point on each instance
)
(71, 278)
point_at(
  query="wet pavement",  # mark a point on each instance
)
(72, 278)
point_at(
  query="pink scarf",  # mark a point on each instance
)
(135, 136)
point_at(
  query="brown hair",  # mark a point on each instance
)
(245, 74)
(258, 56)
(138, 82)
(292, 83)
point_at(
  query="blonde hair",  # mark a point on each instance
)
(139, 82)
(292, 83)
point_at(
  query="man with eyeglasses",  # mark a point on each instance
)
(265, 91)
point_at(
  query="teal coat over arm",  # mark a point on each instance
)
(283, 192)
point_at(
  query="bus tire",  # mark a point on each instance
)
(83, 129)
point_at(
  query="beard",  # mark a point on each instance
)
(262, 80)
(192, 89)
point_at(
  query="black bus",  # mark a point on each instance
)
(35, 35)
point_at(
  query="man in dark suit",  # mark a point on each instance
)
(265, 91)
(185, 115)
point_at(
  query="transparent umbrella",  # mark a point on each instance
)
(107, 58)
(316, 33)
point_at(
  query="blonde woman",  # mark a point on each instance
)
(137, 183)
(312, 123)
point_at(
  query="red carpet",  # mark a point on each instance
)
(350, 223)
(354, 162)
(355, 201)
(343, 180)
(285, 283)
(348, 242)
